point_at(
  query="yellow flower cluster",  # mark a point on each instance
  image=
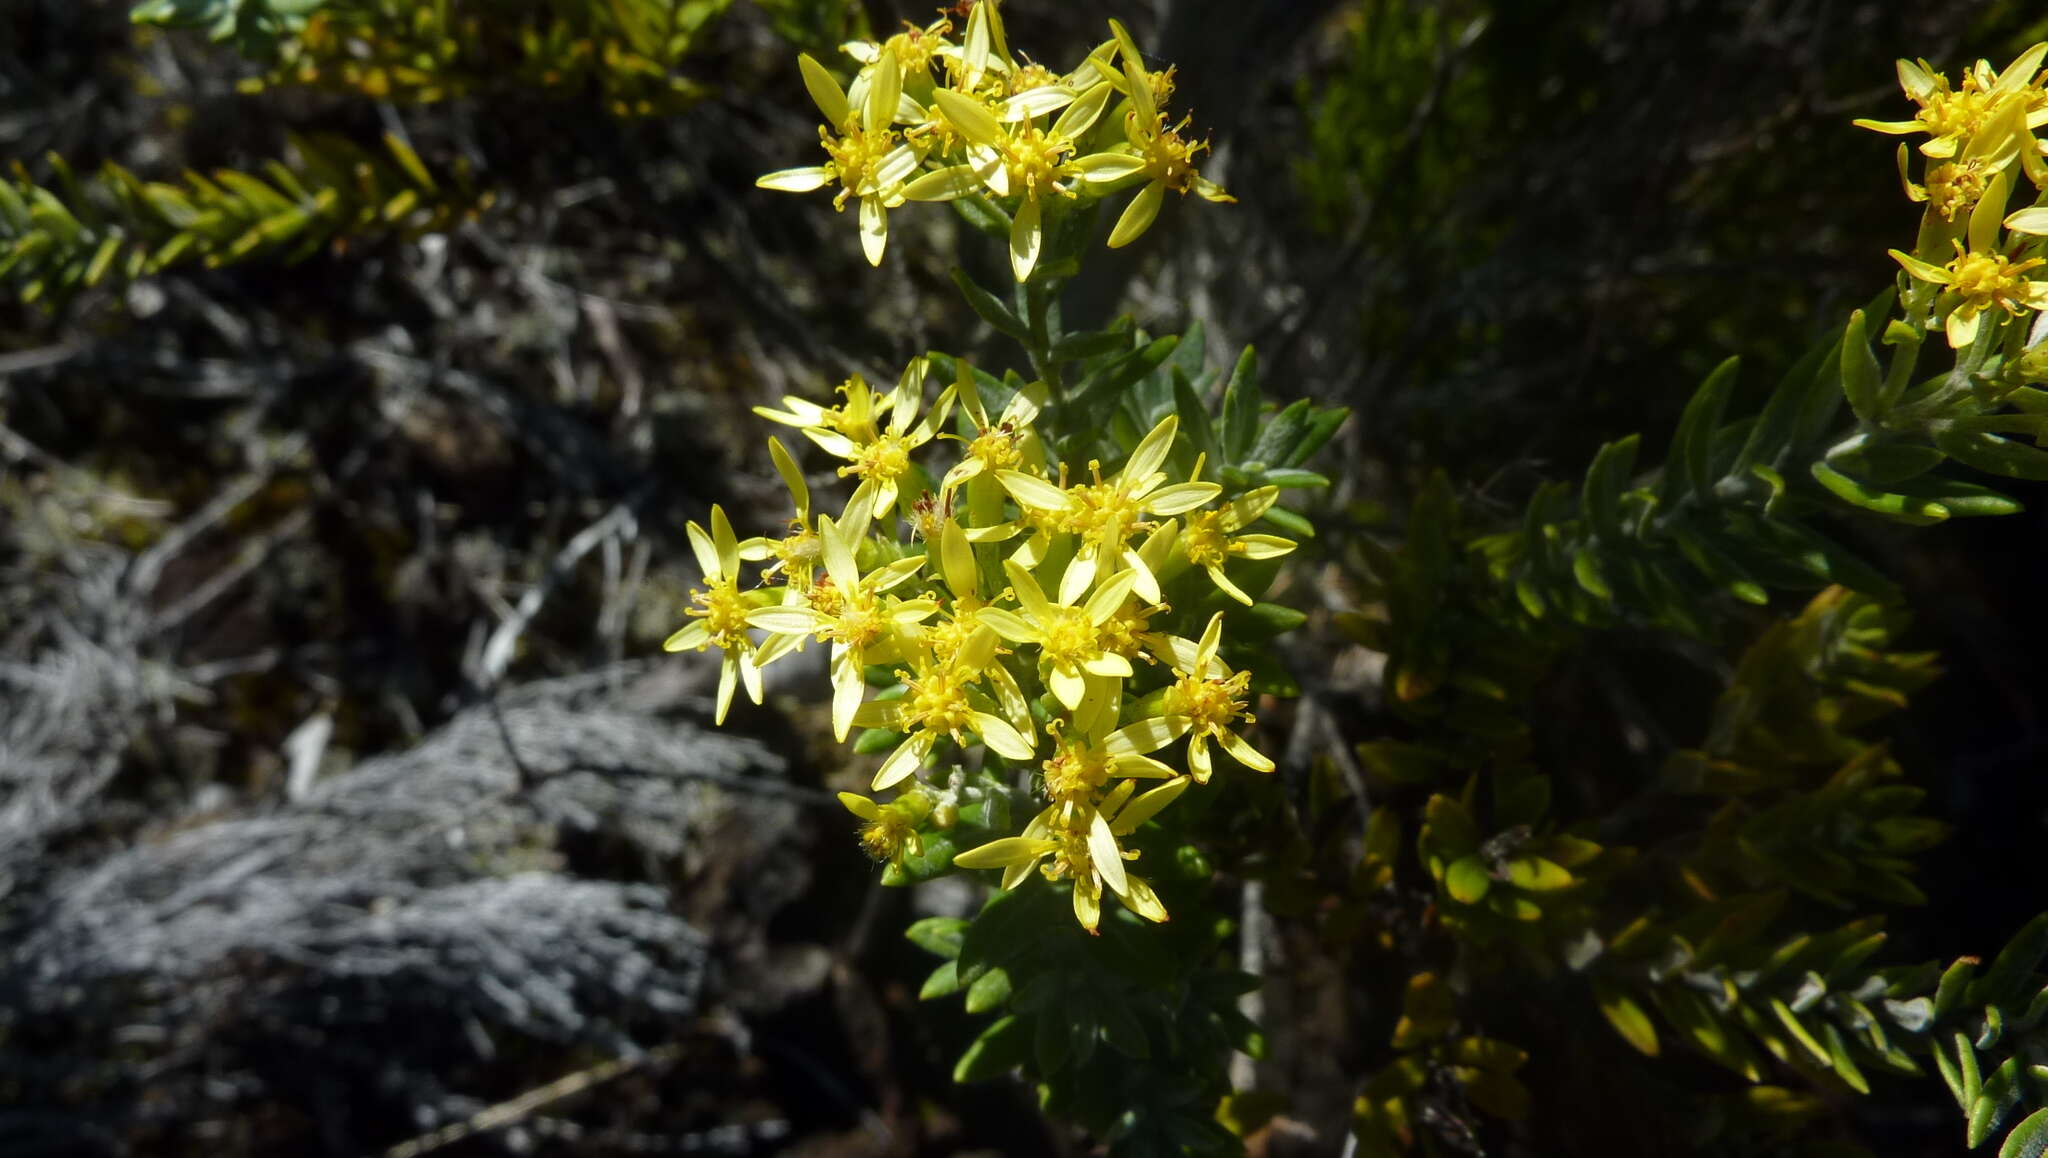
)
(1014, 603)
(1980, 136)
(928, 118)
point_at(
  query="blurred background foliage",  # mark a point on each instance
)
(361, 361)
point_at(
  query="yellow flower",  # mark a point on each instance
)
(867, 159)
(1206, 692)
(1011, 156)
(1981, 277)
(1106, 514)
(1001, 444)
(1084, 761)
(797, 553)
(880, 458)
(856, 418)
(852, 613)
(1951, 116)
(1080, 841)
(719, 618)
(1164, 158)
(941, 701)
(1069, 639)
(1210, 538)
(891, 829)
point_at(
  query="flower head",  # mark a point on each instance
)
(719, 617)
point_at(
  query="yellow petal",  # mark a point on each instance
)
(947, 184)
(830, 98)
(904, 762)
(705, 551)
(1962, 327)
(1001, 738)
(885, 84)
(693, 637)
(860, 805)
(1068, 685)
(1103, 850)
(1145, 807)
(728, 677)
(1138, 215)
(1029, 595)
(1026, 239)
(971, 117)
(1139, 898)
(1087, 903)
(2032, 221)
(794, 180)
(1224, 585)
(874, 229)
(1110, 597)
(1004, 851)
(1147, 735)
(1031, 491)
(1241, 750)
(846, 687)
(1082, 113)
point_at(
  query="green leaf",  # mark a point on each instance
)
(2029, 1139)
(1241, 408)
(990, 307)
(2000, 1096)
(945, 980)
(1264, 621)
(938, 935)
(1775, 429)
(1689, 466)
(1538, 875)
(1107, 382)
(1000, 1049)
(1289, 521)
(1989, 452)
(1280, 434)
(1606, 478)
(1321, 428)
(1843, 1062)
(1094, 344)
(1292, 478)
(875, 741)
(1903, 508)
(1467, 880)
(989, 991)
(2003, 982)
(1862, 377)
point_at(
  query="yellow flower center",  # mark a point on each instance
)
(883, 460)
(1211, 704)
(860, 622)
(856, 157)
(888, 836)
(996, 447)
(1035, 160)
(1031, 76)
(1955, 113)
(938, 702)
(1071, 858)
(1104, 513)
(1954, 187)
(914, 46)
(800, 550)
(1168, 158)
(1119, 633)
(1069, 638)
(1204, 540)
(723, 612)
(1076, 771)
(1988, 279)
